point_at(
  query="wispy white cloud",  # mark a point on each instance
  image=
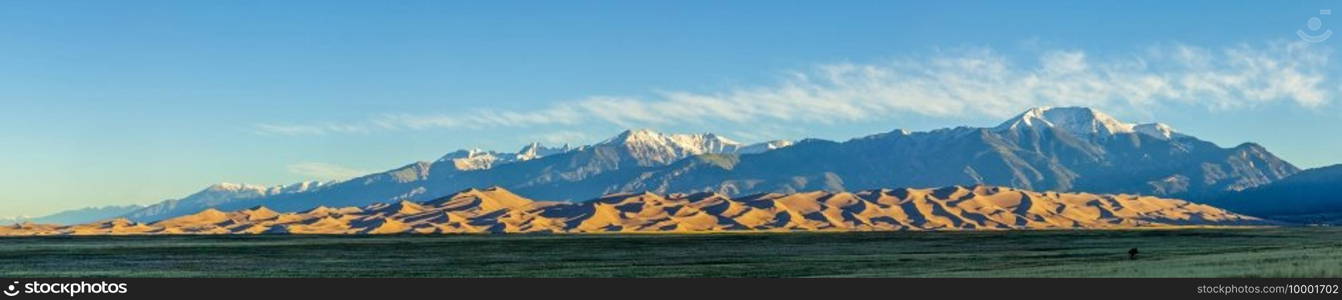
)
(324, 171)
(314, 129)
(973, 82)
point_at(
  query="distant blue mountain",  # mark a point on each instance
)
(1311, 196)
(85, 215)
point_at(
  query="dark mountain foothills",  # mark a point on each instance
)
(1067, 149)
(1313, 196)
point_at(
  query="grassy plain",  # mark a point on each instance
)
(1259, 252)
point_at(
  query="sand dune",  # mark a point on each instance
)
(496, 210)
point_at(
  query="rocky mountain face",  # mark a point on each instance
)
(1045, 149)
(497, 210)
(1075, 149)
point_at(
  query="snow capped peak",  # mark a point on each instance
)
(648, 135)
(1158, 130)
(297, 187)
(655, 148)
(531, 148)
(465, 153)
(235, 187)
(261, 190)
(473, 159)
(648, 147)
(637, 134)
(1082, 122)
(765, 146)
(1076, 120)
(477, 159)
(536, 150)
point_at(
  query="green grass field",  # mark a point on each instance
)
(1268, 252)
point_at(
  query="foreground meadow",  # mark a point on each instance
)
(1257, 252)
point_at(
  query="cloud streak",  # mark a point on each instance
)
(973, 82)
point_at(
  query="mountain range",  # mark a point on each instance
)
(1064, 149)
(497, 210)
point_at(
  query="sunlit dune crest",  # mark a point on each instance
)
(496, 210)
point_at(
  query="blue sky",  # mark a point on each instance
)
(139, 101)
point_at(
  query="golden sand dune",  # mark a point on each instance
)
(496, 210)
